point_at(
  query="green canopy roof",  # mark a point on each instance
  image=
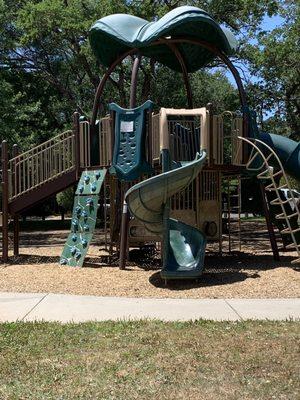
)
(112, 36)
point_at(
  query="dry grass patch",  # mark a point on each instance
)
(150, 360)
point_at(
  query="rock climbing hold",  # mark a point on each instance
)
(73, 251)
(84, 214)
(78, 210)
(86, 179)
(84, 242)
(63, 261)
(80, 188)
(89, 202)
(74, 238)
(78, 255)
(94, 187)
(86, 228)
(97, 174)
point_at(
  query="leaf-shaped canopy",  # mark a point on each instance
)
(112, 36)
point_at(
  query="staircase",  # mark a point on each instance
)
(41, 172)
(265, 163)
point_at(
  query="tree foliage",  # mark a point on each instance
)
(47, 70)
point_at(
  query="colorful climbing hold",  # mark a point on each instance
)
(73, 251)
(84, 214)
(97, 174)
(94, 187)
(63, 261)
(75, 224)
(86, 179)
(80, 188)
(77, 255)
(84, 242)
(86, 228)
(74, 238)
(78, 210)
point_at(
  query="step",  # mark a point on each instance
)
(293, 246)
(284, 216)
(270, 175)
(278, 202)
(271, 187)
(288, 231)
(297, 261)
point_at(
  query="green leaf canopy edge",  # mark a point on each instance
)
(113, 35)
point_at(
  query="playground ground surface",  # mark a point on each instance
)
(150, 360)
(250, 274)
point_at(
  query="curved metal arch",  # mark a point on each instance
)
(216, 51)
(134, 76)
(170, 43)
(113, 66)
(180, 59)
(104, 79)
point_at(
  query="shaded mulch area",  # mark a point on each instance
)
(249, 273)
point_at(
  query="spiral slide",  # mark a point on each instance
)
(184, 245)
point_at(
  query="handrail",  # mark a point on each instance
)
(269, 174)
(41, 145)
(41, 164)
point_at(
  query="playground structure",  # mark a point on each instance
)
(158, 175)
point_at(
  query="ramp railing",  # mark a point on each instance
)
(41, 164)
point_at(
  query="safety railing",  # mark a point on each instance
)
(105, 141)
(227, 127)
(218, 139)
(85, 144)
(155, 137)
(41, 164)
(236, 132)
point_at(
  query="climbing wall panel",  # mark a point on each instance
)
(84, 218)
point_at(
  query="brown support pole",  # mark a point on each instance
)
(269, 224)
(76, 133)
(125, 212)
(134, 76)
(5, 195)
(186, 81)
(16, 216)
(209, 107)
(103, 81)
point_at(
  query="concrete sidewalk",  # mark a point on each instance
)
(70, 308)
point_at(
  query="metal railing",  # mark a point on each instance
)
(265, 162)
(105, 141)
(227, 127)
(85, 144)
(155, 137)
(184, 138)
(41, 164)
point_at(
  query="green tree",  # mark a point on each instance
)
(275, 60)
(65, 199)
(47, 70)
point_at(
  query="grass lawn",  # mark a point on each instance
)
(150, 360)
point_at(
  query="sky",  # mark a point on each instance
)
(268, 24)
